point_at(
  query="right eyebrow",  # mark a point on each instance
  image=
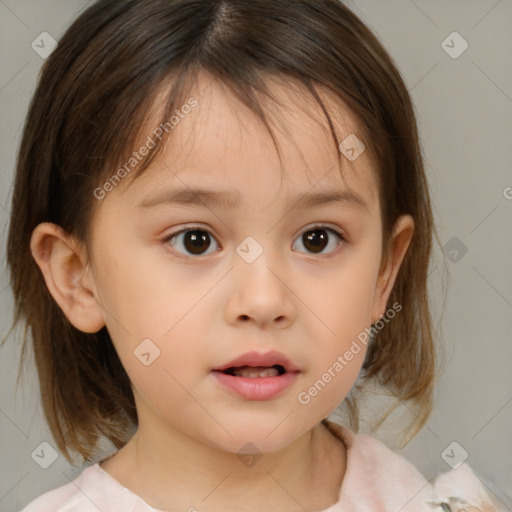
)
(231, 199)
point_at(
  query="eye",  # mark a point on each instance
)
(196, 242)
(191, 241)
(317, 238)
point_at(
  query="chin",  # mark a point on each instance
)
(254, 437)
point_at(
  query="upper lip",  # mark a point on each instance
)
(263, 359)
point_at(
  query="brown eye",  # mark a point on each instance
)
(191, 241)
(196, 242)
(317, 239)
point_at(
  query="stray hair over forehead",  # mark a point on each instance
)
(123, 62)
(271, 99)
(166, 113)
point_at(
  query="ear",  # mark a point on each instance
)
(399, 243)
(67, 276)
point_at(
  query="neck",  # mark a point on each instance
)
(171, 470)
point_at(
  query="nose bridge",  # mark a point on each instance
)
(257, 262)
(259, 290)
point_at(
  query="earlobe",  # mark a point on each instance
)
(65, 273)
(400, 242)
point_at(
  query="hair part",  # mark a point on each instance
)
(91, 107)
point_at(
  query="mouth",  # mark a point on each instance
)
(258, 364)
(253, 372)
(257, 376)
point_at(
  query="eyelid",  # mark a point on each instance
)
(184, 229)
(339, 233)
(189, 227)
(318, 225)
(324, 225)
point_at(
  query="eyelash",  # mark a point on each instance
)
(316, 227)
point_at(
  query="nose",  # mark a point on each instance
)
(260, 294)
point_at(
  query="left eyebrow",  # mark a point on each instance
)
(231, 198)
(194, 197)
(316, 199)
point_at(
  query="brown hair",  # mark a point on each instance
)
(94, 94)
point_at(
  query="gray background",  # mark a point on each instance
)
(464, 108)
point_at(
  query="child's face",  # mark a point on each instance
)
(203, 311)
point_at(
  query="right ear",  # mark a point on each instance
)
(67, 276)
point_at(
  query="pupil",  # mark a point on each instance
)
(317, 239)
(194, 240)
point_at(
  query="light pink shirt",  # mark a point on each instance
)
(377, 479)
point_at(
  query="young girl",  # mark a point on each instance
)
(220, 221)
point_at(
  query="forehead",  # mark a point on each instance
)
(221, 143)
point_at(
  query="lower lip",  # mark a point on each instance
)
(257, 388)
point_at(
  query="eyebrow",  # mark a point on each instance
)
(231, 199)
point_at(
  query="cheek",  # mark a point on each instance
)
(343, 298)
(343, 305)
(163, 318)
(145, 293)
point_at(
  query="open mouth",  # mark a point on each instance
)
(257, 376)
(253, 372)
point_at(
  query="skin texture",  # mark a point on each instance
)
(202, 311)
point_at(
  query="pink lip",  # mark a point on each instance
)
(258, 388)
(255, 359)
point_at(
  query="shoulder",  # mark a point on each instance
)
(464, 489)
(55, 499)
(93, 489)
(388, 480)
(51, 501)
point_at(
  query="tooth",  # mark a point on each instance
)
(255, 372)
